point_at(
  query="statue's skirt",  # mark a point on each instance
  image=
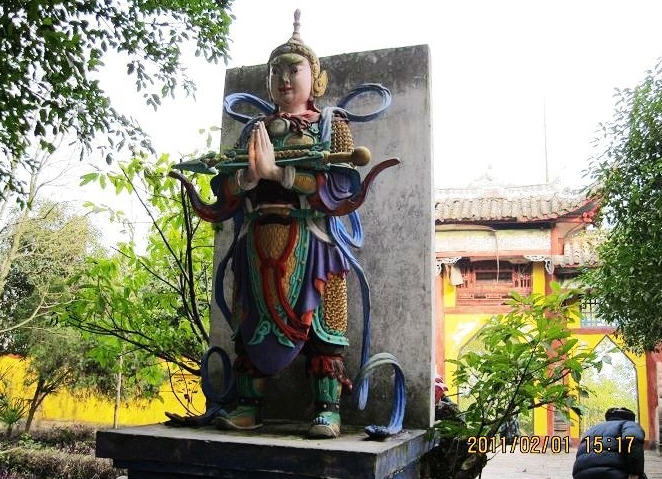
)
(281, 250)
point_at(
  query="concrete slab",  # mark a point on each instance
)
(279, 450)
(398, 255)
(551, 466)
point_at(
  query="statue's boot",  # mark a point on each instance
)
(248, 413)
(326, 424)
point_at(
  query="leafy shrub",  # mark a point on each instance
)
(54, 464)
(64, 435)
(527, 357)
(11, 475)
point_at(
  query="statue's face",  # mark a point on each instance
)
(290, 82)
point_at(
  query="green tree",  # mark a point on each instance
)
(38, 179)
(61, 357)
(56, 357)
(156, 301)
(48, 246)
(614, 386)
(12, 408)
(50, 52)
(525, 363)
(627, 282)
(52, 250)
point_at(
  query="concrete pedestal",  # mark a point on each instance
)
(279, 450)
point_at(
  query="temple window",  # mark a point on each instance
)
(589, 317)
(490, 282)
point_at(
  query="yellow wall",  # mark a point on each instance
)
(460, 329)
(538, 278)
(65, 407)
(449, 294)
(591, 341)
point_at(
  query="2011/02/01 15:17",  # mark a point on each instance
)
(599, 444)
(523, 444)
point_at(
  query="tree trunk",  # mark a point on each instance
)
(34, 404)
(18, 232)
(118, 395)
(11, 254)
(5, 192)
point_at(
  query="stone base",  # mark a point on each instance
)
(278, 450)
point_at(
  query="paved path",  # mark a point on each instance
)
(550, 466)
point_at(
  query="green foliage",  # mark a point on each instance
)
(12, 409)
(50, 52)
(54, 452)
(628, 173)
(51, 248)
(614, 386)
(527, 358)
(52, 251)
(60, 437)
(55, 464)
(518, 361)
(156, 301)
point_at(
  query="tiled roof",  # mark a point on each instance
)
(580, 250)
(486, 204)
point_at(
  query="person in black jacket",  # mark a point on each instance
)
(613, 449)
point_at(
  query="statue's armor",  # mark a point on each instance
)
(290, 278)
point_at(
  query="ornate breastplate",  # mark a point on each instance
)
(288, 132)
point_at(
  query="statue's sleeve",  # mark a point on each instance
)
(343, 180)
(227, 186)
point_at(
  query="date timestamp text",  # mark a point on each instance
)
(523, 444)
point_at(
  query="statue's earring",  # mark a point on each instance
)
(319, 84)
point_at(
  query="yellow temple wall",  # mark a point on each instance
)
(460, 328)
(591, 341)
(92, 409)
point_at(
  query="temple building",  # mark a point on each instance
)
(493, 240)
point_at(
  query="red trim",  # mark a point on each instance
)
(298, 331)
(595, 330)
(13, 356)
(556, 240)
(440, 336)
(651, 390)
(478, 309)
(491, 254)
(550, 420)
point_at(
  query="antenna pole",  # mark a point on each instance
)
(544, 125)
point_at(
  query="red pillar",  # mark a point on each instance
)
(440, 350)
(653, 361)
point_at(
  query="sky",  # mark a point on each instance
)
(512, 82)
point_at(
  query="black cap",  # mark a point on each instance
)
(619, 413)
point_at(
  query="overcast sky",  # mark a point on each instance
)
(497, 68)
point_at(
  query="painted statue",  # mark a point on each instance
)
(290, 177)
